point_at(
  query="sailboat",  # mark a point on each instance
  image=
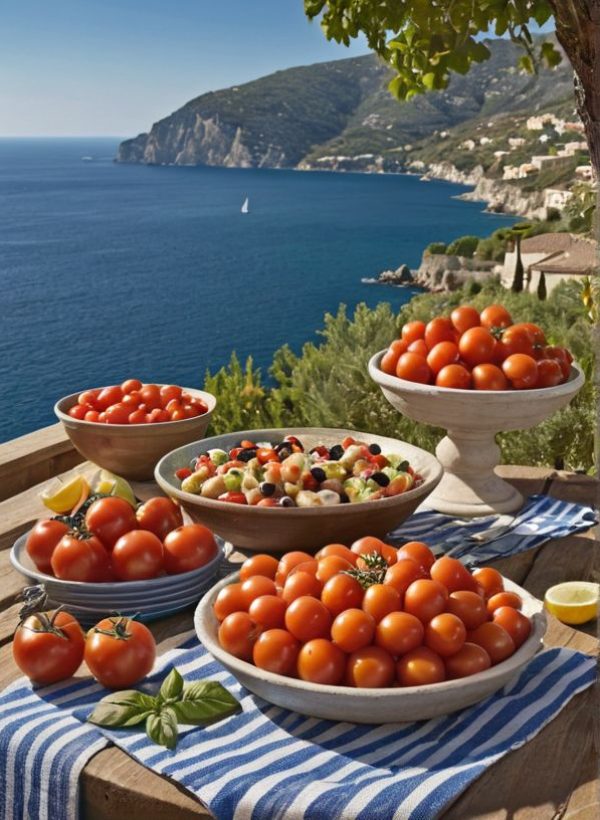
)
(245, 208)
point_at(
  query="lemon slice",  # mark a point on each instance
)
(112, 484)
(573, 602)
(62, 497)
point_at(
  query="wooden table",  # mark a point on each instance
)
(554, 775)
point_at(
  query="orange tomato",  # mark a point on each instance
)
(469, 660)
(488, 377)
(412, 331)
(464, 318)
(353, 629)
(390, 358)
(494, 639)
(399, 633)
(425, 599)
(455, 376)
(307, 618)
(445, 634)
(413, 368)
(419, 667)
(495, 316)
(476, 346)
(381, 599)
(321, 661)
(369, 668)
(419, 552)
(514, 622)
(442, 354)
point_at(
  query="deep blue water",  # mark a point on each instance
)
(109, 271)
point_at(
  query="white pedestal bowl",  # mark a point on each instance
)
(469, 453)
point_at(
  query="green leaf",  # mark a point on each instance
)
(162, 728)
(526, 63)
(122, 709)
(550, 55)
(205, 701)
(172, 686)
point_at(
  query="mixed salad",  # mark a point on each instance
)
(285, 475)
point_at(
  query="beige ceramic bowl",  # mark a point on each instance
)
(393, 705)
(132, 450)
(265, 529)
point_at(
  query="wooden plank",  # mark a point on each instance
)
(35, 457)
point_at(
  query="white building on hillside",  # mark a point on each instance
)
(556, 198)
(559, 256)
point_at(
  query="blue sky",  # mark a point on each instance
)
(113, 67)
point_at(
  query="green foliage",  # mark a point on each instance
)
(542, 293)
(328, 383)
(436, 247)
(580, 209)
(464, 246)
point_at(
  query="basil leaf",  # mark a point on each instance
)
(204, 701)
(162, 728)
(121, 709)
(172, 686)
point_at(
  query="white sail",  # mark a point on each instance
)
(245, 208)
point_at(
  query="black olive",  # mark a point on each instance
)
(283, 450)
(375, 449)
(246, 455)
(344, 498)
(336, 452)
(318, 474)
(381, 478)
(286, 501)
(267, 489)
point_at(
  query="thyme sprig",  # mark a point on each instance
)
(373, 571)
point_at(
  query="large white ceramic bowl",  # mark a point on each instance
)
(279, 529)
(393, 705)
(132, 450)
(469, 452)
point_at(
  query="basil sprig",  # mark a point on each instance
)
(195, 703)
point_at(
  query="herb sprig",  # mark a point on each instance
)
(373, 572)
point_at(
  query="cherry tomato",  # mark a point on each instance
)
(108, 396)
(521, 371)
(514, 622)
(188, 547)
(353, 629)
(331, 565)
(288, 562)
(260, 564)
(504, 599)
(560, 355)
(268, 611)
(445, 634)
(232, 497)
(118, 414)
(129, 385)
(160, 515)
(110, 518)
(92, 415)
(439, 330)
(337, 549)
(369, 544)
(81, 559)
(298, 584)
(381, 599)
(549, 373)
(119, 652)
(468, 606)
(158, 415)
(419, 552)
(168, 392)
(419, 347)
(306, 566)
(490, 579)
(536, 332)
(476, 346)
(455, 376)
(276, 650)
(150, 394)
(342, 592)
(413, 368)
(229, 599)
(78, 411)
(412, 331)
(48, 646)
(238, 634)
(131, 400)
(494, 639)
(469, 660)
(321, 661)
(137, 556)
(465, 317)
(402, 574)
(399, 633)
(370, 668)
(308, 618)
(88, 399)
(137, 417)
(256, 586)
(390, 358)
(442, 354)
(517, 339)
(495, 316)
(488, 377)
(425, 599)
(419, 667)
(42, 540)
(452, 573)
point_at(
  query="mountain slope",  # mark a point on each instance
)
(301, 115)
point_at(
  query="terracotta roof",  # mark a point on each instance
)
(581, 257)
(548, 243)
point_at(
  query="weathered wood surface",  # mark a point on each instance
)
(554, 775)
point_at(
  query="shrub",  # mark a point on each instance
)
(463, 246)
(435, 247)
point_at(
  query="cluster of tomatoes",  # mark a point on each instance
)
(135, 403)
(51, 646)
(369, 616)
(109, 540)
(480, 351)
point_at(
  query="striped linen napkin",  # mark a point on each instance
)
(541, 519)
(267, 762)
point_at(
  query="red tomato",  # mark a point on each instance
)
(88, 399)
(168, 392)
(562, 356)
(131, 385)
(455, 376)
(488, 377)
(188, 547)
(137, 556)
(390, 358)
(78, 411)
(369, 544)
(413, 368)
(48, 646)
(81, 559)
(494, 639)
(419, 667)
(137, 417)
(412, 331)
(495, 316)
(419, 347)
(490, 579)
(535, 331)
(439, 330)
(238, 633)
(308, 618)
(92, 415)
(160, 515)
(445, 634)
(399, 633)
(419, 552)
(268, 611)
(229, 599)
(119, 652)
(108, 396)
(442, 354)
(517, 339)
(469, 660)
(514, 622)
(233, 497)
(110, 518)
(370, 668)
(118, 414)
(276, 651)
(549, 373)
(425, 599)
(353, 629)
(476, 346)
(42, 540)
(521, 371)
(150, 394)
(465, 317)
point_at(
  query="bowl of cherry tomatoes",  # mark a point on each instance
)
(127, 428)
(475, 375)
(370, 633)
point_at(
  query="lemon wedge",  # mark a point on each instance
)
(62, 497)
(573, 602)
(111, 484)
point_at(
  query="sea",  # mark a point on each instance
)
(109, 271)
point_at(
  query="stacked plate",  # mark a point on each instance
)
(155, 598)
